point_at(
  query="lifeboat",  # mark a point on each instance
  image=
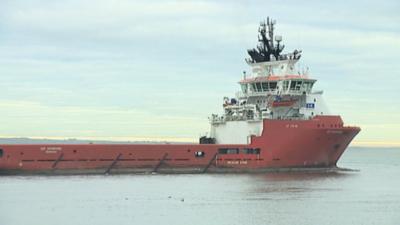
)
(283, 103)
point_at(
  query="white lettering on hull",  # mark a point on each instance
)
(50, 150)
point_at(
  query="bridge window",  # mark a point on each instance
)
(1, 153)
(285, 85)
(264, 86)
(244, 88)
(268, 86)
(272, 85)
(292, 85)
(295, 85)
(258, 85)
(307, 86)
(253, 87)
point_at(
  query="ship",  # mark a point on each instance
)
(276, 122)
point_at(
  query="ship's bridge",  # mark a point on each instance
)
(276, 89)
(276, 85)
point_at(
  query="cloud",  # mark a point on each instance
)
(126, 17)
(134, 64)
(40, 120)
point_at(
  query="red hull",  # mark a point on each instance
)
(283, 144)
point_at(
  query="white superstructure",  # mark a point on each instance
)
(276, 89)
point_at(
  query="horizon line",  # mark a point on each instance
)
(384, 144)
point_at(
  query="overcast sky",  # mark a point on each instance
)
(129, 70)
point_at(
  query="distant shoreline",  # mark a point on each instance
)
(24, 140)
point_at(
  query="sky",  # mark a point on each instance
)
(156, 70)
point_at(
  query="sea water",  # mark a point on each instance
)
(368, 196)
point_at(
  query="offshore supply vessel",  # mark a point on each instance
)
(276, 122)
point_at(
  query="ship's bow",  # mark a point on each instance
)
(319, 142)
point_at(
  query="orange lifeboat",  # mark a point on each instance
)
(283, 103)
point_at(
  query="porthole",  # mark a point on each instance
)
(199, 154)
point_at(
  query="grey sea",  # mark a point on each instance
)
(370, 195)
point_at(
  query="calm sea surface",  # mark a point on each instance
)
(370, 196)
